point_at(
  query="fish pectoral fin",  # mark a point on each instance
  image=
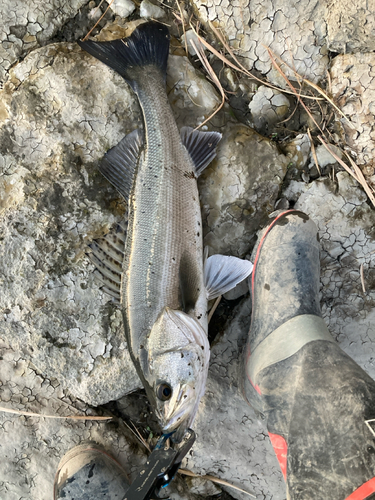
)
(201, 147)
(222, 273)
(107, 255)
(120, 163)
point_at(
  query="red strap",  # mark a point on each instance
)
(363, 491)
(281, 449)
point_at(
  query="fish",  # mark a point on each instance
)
(160, 277)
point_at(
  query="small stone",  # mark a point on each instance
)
(282, 204)
(149, 10)
(94, 14)
(190, 36)
(29, 38)
(123, 8)
(268, 107)
(298, 150)
(305, 177)
(324, 157)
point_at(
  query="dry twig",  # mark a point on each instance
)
(213, 308)
(214, 479)
(313, 152)
(361, 178)
(291, 86)
(314, 86)
(362, 278)
(41, 415)
(98, 21)
(183, 25)
(238, 66)
(203, 58)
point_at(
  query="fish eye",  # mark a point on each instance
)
(164, 391)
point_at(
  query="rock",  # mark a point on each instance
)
(190, 36)
(239, 189)
(354, 90)
(58, 120)
(324, 157)
(350, 26)
(192, 97)
(298, 150)
(149, 10)
(123, 8)
(268, 107)
(295, 32)
(26, 25)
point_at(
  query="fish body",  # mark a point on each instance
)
(164, 288)
(164, 248)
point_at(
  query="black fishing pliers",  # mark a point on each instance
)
(160, 468)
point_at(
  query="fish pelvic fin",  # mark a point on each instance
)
(147, 45)
(222, 273)
(121, 162)
(201, 147)
(107, 255)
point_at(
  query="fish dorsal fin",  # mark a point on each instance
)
(201, 146)
(120, 163)
(107, 255)
(222, 273)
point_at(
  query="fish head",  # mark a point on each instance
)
(178, 355)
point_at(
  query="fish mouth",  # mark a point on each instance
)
(182, 414)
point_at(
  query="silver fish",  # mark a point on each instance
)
(163, 285)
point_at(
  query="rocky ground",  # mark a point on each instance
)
(63, 351)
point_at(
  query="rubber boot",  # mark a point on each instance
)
(88, 472)
(317, 402)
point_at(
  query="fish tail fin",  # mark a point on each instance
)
(148, 45)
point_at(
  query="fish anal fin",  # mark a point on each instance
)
(120, 163)
(201, 147)
(222, 273)
(110, 287)
(107, 255)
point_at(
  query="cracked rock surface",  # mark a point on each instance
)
(353, 86)
(239, 189)
(62, 346)
(31, 447)
(26, 24)
(296, 31)
(300, 32)
(351, 26)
